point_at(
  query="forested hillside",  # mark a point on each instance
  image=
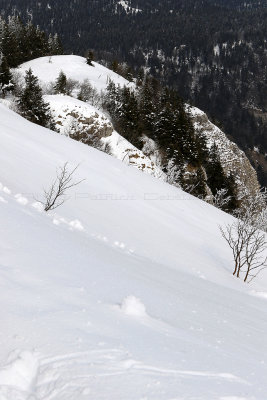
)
(213, 51)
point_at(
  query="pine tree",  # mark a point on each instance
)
(114, 66)
(147, 109)
(54, 45)
(17, 29)
(218, 180)
(128, 116)
(216, 177)
(10, 47)
(90, 58)
(112, 101)
(233, 204)
(61, 84)
(6, 84)
(31, 104)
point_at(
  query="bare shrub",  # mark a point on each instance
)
(89, 94)
(55, 195)
(71, 84)
(247, 239)
(48, 88)
(220, 199)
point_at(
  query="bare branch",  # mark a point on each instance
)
(55, 196)
(247, 240)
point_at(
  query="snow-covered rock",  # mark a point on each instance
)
(73, 116)
(233, 160)
(89, 125)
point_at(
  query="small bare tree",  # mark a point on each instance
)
(55, 196)
(247, 239)
(221, 199)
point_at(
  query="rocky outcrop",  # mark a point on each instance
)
(233, 160)
(84, 123)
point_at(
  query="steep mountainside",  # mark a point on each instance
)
(125, 291)
(219, 67)
(89, 124)
(233, 160)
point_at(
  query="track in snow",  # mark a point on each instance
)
(81, 375)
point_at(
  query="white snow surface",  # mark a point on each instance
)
(125, 291)
(47, 69)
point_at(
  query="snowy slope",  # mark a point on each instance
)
(125, 292)
(47, 70)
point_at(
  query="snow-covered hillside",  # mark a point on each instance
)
(87, 123)
(47, 70)
(125, 291)
(149, 160)
(74, 117)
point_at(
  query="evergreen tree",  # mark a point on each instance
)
(114, 66)
(10, 47)
(218, 180)
(112, 101)
(61, 84)
(128, 116)
(31, 104)
(90, 58)
(54, 45)
(17, 29)
(198, 183)
(216, 177)
(233, 203)
(6, 84)
(147, 105)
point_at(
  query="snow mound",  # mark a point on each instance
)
(76, 224)
(133, 306)
(47, 70)
(21, 372)
(21, 199)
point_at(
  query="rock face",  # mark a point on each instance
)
(233, 160)
(84, 123)
(78, 120)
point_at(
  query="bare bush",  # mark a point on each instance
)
(89, 94)
(221, 199)
(71, 84)
(86, 91)
(247, 240)
(48, 88)
(55, 195)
